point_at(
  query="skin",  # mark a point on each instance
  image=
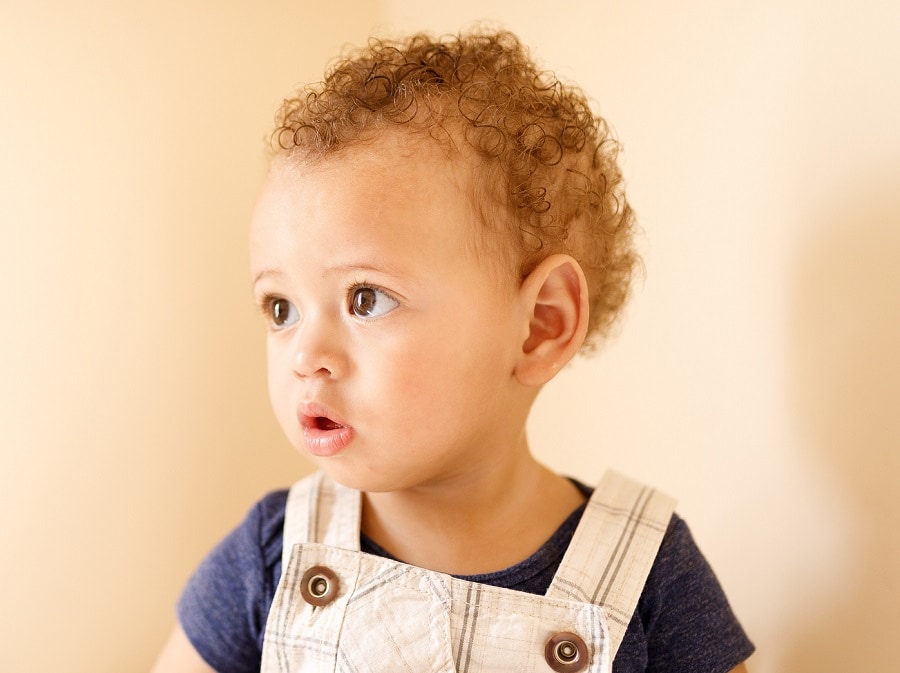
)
(428, 384)
(433, 381)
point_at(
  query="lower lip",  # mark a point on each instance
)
(325, 443)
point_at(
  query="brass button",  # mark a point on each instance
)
(566, 653)
(319, 586)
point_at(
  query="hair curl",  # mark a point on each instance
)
(550, 161)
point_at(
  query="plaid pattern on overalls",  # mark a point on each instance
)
(338, 609)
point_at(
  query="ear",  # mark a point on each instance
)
(555, 298)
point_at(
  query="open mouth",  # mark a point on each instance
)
(314, 420)
(325, 423)
(323, 435)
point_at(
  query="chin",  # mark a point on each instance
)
(344, 474)
(360, 479)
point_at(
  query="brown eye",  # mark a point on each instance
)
(367, 302)
(282, 312)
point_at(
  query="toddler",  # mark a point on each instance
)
(442, 229)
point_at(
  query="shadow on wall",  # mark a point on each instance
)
(845, 354)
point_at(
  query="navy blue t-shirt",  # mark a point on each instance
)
(683, 623)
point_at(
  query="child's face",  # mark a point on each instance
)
(391, 345)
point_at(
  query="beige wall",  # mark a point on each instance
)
(756, 375)
(135, 425)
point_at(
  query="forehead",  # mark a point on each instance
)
(365, 185)
(388, 168)
(397, 188)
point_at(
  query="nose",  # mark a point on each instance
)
(317, 350)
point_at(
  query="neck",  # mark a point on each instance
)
(472, 523)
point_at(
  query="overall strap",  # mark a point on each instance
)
(613, 549)
(320, 510)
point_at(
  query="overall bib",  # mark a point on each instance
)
(338, 609)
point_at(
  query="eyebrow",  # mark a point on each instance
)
(361, 266)
(348, 266)
(265, 273)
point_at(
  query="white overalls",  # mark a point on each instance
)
(338, 609)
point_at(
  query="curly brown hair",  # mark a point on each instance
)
(549, 161)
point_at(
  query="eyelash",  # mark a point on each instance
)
(264, 304)
(353, 288)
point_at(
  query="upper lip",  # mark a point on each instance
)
(310, 413)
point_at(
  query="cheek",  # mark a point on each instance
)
(409, 385)
(444, 374)
(411, 375)
(279, 375)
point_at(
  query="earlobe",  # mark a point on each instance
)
(555, 299)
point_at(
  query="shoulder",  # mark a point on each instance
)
(225, 604)
(683, 617)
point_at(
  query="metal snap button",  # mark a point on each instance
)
(319, 586)
(566, 653)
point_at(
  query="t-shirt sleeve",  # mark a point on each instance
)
(225, 604)
(686, 620)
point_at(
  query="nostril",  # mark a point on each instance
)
(313, 364)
